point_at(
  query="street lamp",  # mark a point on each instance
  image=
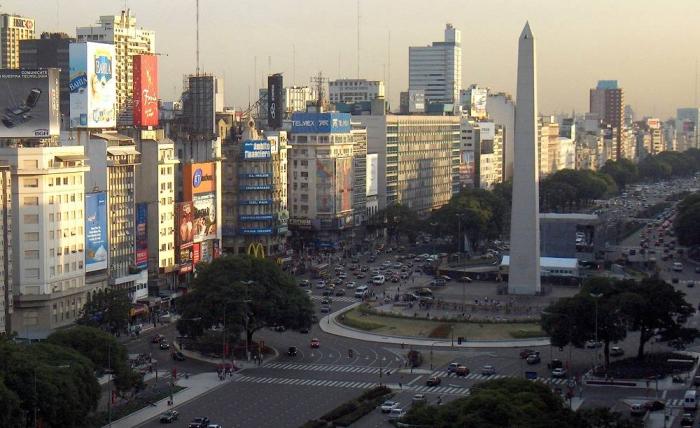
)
(596, 296)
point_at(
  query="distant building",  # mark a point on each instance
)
(501, 109)
(473, 101)
(607, 101)
(412, 101)
(6, 253)
(294, 98)
(203, 97)
(687, 120)
(481, 154)
(354, 90)
(437, 69)
(13, 29)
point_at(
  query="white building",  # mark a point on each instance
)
(48, 236)
(354, 90)
(501, 110)
(5, 249)
(129, 40)
(480, 153)
(437, 69)
(13, 28)
(473, 101)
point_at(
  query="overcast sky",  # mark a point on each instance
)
(649, 46)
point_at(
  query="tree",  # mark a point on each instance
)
(222, 295)
(499, 403)
(11, 414)
(685, 224)
(399, 220)
(603, 417)
(108, 308)
(623, 171)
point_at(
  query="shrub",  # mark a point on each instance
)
(361, 324)
(340, 411)
(441, 331)
(347, 420)
(371, 394)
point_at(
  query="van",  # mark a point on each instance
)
(690, 400)
(361, 291)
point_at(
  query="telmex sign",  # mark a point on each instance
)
(320, 123)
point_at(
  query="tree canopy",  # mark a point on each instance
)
(109, 309)
(687, 220)
(399, 220)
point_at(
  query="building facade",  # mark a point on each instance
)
(437, 69)
(687, 120)
(13, 29)
(5, 249)
(501, 109)
(607, 101)
(354, 90)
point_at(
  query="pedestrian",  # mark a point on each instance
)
(400, 385)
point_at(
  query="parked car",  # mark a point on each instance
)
(616, 351)
(433, 381)
(388, 406)
(200, 422)
(169, 417)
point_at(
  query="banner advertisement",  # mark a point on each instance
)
(196, 253)
(199, 178)
(275, 103)
(256, 149)
(256, 202)
(96, 243)
(93, 85)
(29, 103)
(185, 259)
(320, 123)
(344, 179)
(372, 173)
(185, 222)
(145, 93)
(325, 180)
(207, 251)
(141, 235)
(256, 231)
(204, 226)
(255, 217)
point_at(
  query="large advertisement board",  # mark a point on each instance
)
(145, 93)
(93, 85)
(344, 179)
(372, 173)
(320, 123)
(325, 180)
(185, 224)
(204, 225)
(257, 149)
(29, 103)
(199, 178)
(275, 104)
(141, 235)
(96, 244)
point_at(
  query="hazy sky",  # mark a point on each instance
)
(649, 46)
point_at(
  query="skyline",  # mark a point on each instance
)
(656, 75)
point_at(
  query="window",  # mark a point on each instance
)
(31, 236)
(31, 254)
(31, 273)
(30, 164)
(31, 219)
(31, 200)
(30, 182)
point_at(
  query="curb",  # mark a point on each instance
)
(330, 325)
(242, 364)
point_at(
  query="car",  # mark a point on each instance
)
(326, 301)
(279, 328)
(616, 351)
(419, 398)
(304, 330)
(433, 381)
(169, 417)
(292, 351)
(397, 413)
(321, 284)
(315, 343)
(533, 358)
(388, 406)
(697, 269)
(325, 309)
(688, 420)
(559, 373)
(488, 370)
(157, 338)
(592, 344)
(452, 367)
(654, 405)
(525, 353)
(461, 370)
(439, 282)
(340, 292)
(164, 345)
(304, 283)
(327, 292)
(200, 422)
(637, 409)
(178, 356)
(690, 284)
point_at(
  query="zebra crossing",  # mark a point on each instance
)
(346, 299)
(326, 368)
(674, 402)
(478, 376)
(444, 390)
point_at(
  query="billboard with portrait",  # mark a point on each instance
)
(145, 92)
(93, 85)
(29, 103)
(141, 235)
(325, 183)
(96, 244)
(204, 223)
(199, 178)
(343, 185)
(185, 223)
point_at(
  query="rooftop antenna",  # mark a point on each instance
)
(358, 39)
(695, 96)
(197, 37)
(255, 75)
(294, 64)
(388, 60)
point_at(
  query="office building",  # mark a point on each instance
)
(687, 128)
(13, 29)
(418, 158)
(5, 249)
(412, 101)
(548, 146)
(129, 40)
(437, 69)
(501, 109)
(354, 90)
(294, 99)
(473, 101)
(48, 237)
(50, 51)
(607, 101)
(481, 154)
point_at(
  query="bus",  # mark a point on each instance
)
(320, 270)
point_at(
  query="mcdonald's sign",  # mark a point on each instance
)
(256, 250)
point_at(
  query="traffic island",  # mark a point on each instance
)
(351, 411)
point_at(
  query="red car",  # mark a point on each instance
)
(526, 353)
(315, 343)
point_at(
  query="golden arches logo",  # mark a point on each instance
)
(256, 250)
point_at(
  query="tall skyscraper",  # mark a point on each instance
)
(524, 269)
(437, 69)
(607, 100)
(121, 31)
(13, 28)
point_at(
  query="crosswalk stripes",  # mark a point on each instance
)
(676, 402)
(325, 368)
(478, 376)
(346, 299)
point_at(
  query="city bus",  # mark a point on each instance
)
(320, 270)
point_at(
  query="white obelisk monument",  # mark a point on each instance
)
(524, 269)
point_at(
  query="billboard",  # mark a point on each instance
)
(325, 180)
(372, 173)
(145, 93)
(29, 103)
(275, 103)
(320, 123)
(185, 223)
(185, 259)
(256, 149)
(199, 178)
(204, 225)
(95, 231)
(487, 130)
(93, 85)
(141, 235)
(343, 185)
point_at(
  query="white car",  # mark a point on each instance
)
(378, 279)
(559, 373)
(321, 284)
(351, 284)
(388, 406)
(397, 413)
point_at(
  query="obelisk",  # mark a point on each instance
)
(524, 269)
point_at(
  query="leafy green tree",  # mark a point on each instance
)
(109, 309)
(11, 414)
(399, 220)
(604, 417)
(686, 222)
(247, 293)
(623, 171)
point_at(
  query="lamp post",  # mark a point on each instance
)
(596, 296)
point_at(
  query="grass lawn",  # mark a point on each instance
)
(396, 326)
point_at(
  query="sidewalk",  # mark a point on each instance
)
(330, 325)
(196, 386)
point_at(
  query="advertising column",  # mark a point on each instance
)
(141, 235)
(145, 91)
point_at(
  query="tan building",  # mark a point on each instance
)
(548, 149)
(5, 249)
(13, 28)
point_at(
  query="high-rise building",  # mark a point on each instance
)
(437, 69)
(5, 249)
(607, 101)
(359, 168)
(481, 154)
(548, 146)
(13, 29)
(202, 99)
(501, 110)
(473, 101)
(51, 50)
(687, 120)
(354, 90)
(48, 237)
(128, 40)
